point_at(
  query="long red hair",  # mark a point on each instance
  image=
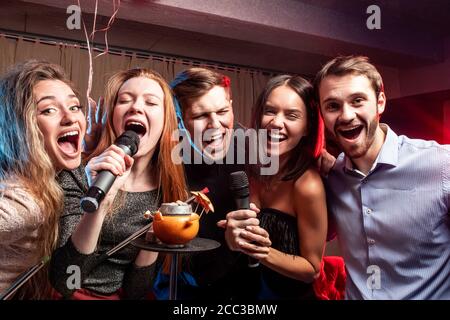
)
(172, 182)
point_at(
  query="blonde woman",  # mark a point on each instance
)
(42, 127)
(138, 100)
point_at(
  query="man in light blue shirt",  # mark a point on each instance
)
(388, 195)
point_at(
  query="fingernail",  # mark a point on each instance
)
(243, 232)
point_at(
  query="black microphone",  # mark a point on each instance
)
(128, 142)
(239, 188)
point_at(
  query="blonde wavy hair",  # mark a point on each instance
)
(25, 158)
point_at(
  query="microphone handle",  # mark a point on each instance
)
(104, 180)
(96, 193)
(244, 203)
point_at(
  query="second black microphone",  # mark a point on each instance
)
(240, 187)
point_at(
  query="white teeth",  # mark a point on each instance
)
(213, 138)
(276, 136)
(136, 123)
(349, 129)
(217, 137)
(70, 133)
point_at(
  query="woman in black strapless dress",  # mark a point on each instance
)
(292, 201)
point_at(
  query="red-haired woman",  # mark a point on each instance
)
(138, 100)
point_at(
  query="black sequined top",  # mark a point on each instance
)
(282, 229)
(100, 274)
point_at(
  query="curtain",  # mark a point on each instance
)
(245, 84)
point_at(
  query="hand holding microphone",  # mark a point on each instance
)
(244, 225)
(110, 164)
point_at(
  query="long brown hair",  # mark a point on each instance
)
(24, 157)
(308, 149)
(172, 182)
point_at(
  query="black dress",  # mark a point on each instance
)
(282, 229)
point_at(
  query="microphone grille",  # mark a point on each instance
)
(130, 139)
(239, 183)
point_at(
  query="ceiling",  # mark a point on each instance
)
(432, 15)
(282, 35)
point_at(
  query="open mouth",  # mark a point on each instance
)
(276, 137)
(136, 126)
(213, 139)
(351, 133)
(68, 142)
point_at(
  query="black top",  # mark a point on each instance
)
(101, 274)
(221, 273)
(282, 229)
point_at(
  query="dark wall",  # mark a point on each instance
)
(420, 116)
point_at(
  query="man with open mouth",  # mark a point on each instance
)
(206, 118)
(388, 195)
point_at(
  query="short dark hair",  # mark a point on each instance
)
(195, 82)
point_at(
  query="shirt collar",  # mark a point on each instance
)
(388, 154)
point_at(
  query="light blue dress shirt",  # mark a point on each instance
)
(393, 224)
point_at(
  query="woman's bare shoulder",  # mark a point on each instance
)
(309, 184)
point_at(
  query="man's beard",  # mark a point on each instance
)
(360, 149)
